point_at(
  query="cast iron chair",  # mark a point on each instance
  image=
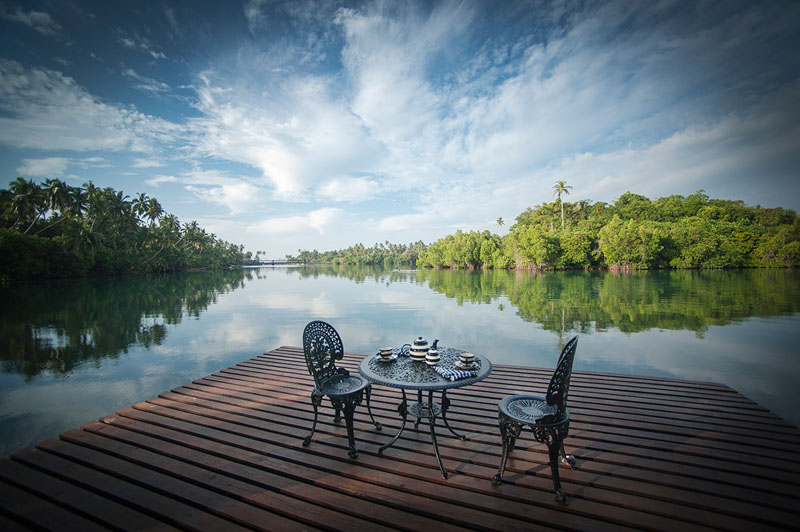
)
(323, 347)
(547, 417)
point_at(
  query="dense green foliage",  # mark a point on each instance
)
(56, 230)
(381, 254)
(633, 233)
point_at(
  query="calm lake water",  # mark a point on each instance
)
(73, 351)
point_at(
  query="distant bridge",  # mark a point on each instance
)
(278, 262)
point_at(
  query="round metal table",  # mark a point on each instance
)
(404, 373)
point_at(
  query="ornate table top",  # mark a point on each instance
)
(405, 373)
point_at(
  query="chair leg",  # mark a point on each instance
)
(316, 400)
(350, 403)
(554, 448)
(509, 432)
(369, 409)
(568, 458)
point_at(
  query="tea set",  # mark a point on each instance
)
(421, 351)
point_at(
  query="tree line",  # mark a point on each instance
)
(381, 254)
(633, 232)
(53, 229)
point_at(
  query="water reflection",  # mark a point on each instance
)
(630, 302)
(55, 326)
(584, 301)
(75, 351)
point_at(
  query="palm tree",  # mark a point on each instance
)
(559, 188)
(139, 204)
(153, 210)
(27, 202)
(500, 221)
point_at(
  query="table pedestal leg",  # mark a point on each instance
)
(445, 406)
(419, 401)
(403, 410)
(432, 426)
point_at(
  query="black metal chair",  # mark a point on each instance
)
(323, 347)
(547, 417)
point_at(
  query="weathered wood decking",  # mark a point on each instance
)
(225, 453)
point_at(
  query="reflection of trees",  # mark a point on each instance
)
(574, 301)
(630, 302)
(54, 326)
(358, 274)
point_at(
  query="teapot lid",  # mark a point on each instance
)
(420, 341)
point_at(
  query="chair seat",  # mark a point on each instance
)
(341, 385)
(528, 409)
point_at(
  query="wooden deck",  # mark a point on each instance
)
(225, 453)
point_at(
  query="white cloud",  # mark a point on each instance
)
(351, 189)
(57, 166)
(157, 180)
(320, 220)
(237, 197)
(47, 110)
(141, 44)
(147, 163)
(37, 20)
(724, 158)
(254, 13)
(144, 83)
(298, 135)
(92, 162)
(46, 167)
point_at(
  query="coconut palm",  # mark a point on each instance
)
(153, 210)
(500, 221)
(139, 204)
(26, 202)
(561, 187)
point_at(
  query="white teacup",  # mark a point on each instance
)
(386, 352)
(466, 359)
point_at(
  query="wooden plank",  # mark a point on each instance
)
(37, 513)
(279, 494)
(158, 502)
(78, 500)
(422, 485)
(784, 456)
(649, 477)
(545, 485)
(9, 525)
(225, 451)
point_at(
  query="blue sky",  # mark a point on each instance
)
(321, 124)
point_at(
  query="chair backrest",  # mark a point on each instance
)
(322, 347)
(558, 389)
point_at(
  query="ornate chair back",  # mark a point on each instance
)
(558, 389)
(322, 347)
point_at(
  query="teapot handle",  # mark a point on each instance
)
(405, 349)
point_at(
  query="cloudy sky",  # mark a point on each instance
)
(321, 124)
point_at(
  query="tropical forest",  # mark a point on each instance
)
(53, 229)
(632, 233)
